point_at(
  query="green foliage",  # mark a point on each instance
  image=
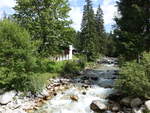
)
(132, 33)
(73, 67)
(38, 81)
(135, 78)
(109, 45)
(20, 69)
(146, 111)
(88, 36)
(100, 30)
(55, 67)
(99, 21)
(46, 65)
(90, 39)
(16, 54)
(47, 21)
(121, 60)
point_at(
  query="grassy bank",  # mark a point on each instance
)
(36, 80)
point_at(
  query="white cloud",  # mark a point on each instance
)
(76, 16)
(94, 0)
(7, 3)
(109, 11)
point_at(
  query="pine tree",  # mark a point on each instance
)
(100, 30)
(99, 21)
(47, 21)
(132, 29)
(88, 35)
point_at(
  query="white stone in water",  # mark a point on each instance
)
(147, 104)
(115, 107)
(98, 106)
(138, 110)
(45, 92)
(7, 97)
(1, 110)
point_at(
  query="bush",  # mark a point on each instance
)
(17, 58)
(135, 78)
(55, 67)
(146, 111)
(37, 82)
(73, 67)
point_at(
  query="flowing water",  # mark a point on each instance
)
(100, 84)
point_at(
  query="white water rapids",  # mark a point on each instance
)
(99, 88)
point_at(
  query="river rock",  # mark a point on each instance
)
(7, 97)
(136, 102)
(115, 96)
(84, 93)
(147, 104)
(94, 78)
(85, 86)
(138, 110)
(39, 95)
(98, 106)
(115, 107)
(127, 110)
(85, 78)
(74, 98)
(45, 92)
(126, 101)
(29, 94)
(108, 111)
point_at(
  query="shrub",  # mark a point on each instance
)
(55, 67)
(17, 58)
(135, 78)
(146, 111)
(73, 67)
(38, 81)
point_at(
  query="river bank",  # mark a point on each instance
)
(93, 91)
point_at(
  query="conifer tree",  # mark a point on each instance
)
(88, 35)
(100, 30)
(99, 21)
(132, 31)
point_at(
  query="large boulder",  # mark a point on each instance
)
(98, 106)
(136, 102)
(7, 97)
(147, 104)
(126, 101)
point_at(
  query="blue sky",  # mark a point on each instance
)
(108, 7)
